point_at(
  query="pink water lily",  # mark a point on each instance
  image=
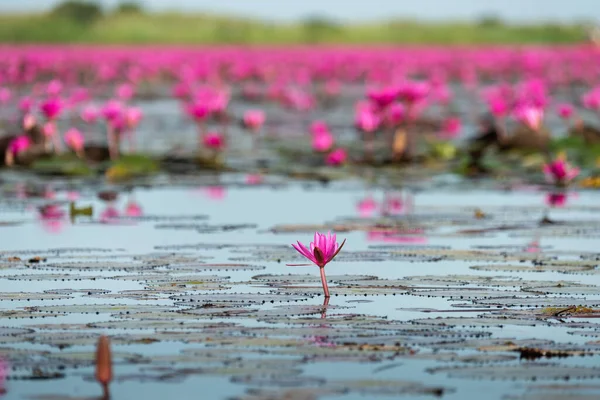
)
(560, 171)
(323, 249)
(336, 157)
(74, 139)
(254, 119)
(530, 116)
(322, 142)
(214, 141)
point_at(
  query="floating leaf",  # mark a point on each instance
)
(525, 371)
(250, 298)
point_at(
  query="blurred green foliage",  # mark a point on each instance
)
(84, 22)
(129, 7)
(78, 11)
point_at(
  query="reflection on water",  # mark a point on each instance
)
(143, 228)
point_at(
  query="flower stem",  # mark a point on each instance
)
(324, 281)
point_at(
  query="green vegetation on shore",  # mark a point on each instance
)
(137, 27)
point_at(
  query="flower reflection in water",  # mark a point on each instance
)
(109, 215)
(133, 209)
(320, 340)
(366, 207)
(4, 367)
(254, 179)
(396, 236)
(52, 218)
(217, 193)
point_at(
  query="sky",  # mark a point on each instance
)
(364, 10)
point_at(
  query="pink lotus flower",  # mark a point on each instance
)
(25, 104)
(366, 120)
(79, 95)
(498, 106)
(396, 113)
(336, 157)
(318, 128)
(5, 95)
(29, 121)
(19, 144)
(214, 141)
(591, 99)
(322, 251)
(74, 139)
(49, 129)
(198, 110)
(451, 128)
(322, 142)
(413, 92)
(133, 116)
(51, 108)
(560, 172)
(384, 97)
(565, 111)
(54, 88)
(112, 110)
(125, 91)
(90, 114)
(254, 119)
(530, 116)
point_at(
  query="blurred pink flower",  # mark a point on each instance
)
(451, 128)
(565, 111)
(125, 91)
(54, 88)
(133, 116)
(26, 104)
(396, 113)
(591, 99)
(322, 142)
(49, 129)
(51, 108)
(90, 114)
(112, 110)
(214, 141)
(366, 120)
(560, 171)
(74, 139)
(254, 119)
(384, 97)
(19, 144)
(336, 157)
(530, 116)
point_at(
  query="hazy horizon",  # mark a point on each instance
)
(344, 10)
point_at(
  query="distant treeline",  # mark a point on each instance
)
(87, 22)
